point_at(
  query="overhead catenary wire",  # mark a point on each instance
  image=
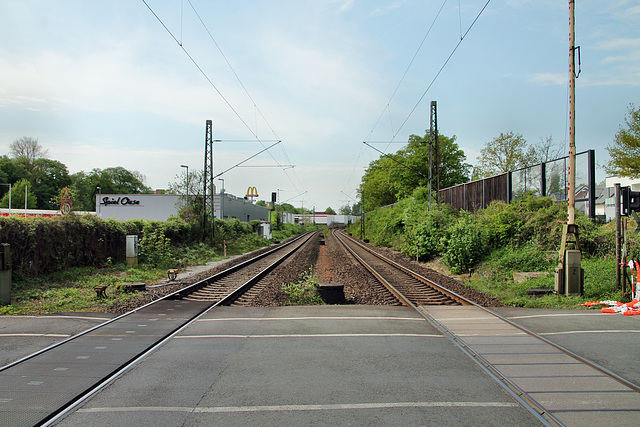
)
(462, 37)
(441, 69)
(407, 69)
(387, 107)
(255, 105)
(195, 63)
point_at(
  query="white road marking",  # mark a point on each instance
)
(231, 319)
(326, 407)
(310, 336)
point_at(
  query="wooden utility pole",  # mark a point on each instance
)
(569, 278)
(571, 213)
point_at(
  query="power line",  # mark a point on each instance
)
(462, 37)
(442, 68)
(408, 67)
(179, 43)
(255, 105)
(232, 69)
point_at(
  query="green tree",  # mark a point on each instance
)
(26, 151)
(329, 210)
(116, 180)
(453, 168)
(287, 207)
(545, 150)
(18, 194)
(125, 181)
(625, 148)
(49, 177)
(10, 172)
(345, 210)
(396, 176)
(377, 189)
(504, 153)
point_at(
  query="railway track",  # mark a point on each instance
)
(40, 388)
(555, 385)
(407, 286)
(239, 284)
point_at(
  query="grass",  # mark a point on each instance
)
(495, 277)
(72, 290)
(305, 291)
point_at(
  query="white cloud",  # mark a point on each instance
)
(548, 79)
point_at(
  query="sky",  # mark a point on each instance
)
(131, 83)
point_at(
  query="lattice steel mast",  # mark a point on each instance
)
(207, 179)
(433, 142)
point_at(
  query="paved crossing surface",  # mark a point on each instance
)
(569, 389)
(354, 365)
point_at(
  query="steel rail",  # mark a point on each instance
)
(179, 294)
(83, 395)
(508, 386)
(173, 295)
(399, 296)
(450, 294)
(255, 279)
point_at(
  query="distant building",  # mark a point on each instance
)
(324, 218)
(138, 206)
(160, 207)
(606, 202)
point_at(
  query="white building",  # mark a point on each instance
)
(609, 193)
(138, 206)
(160, 207)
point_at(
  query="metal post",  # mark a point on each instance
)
(187, 182)
(618, 234)
(221, 199)
(99, 194)
(208, 180)
(543, 179)
(434, 135)
(592, 183)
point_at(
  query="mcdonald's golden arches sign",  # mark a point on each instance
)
(252, 192)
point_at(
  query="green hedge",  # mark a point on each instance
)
(44, 245)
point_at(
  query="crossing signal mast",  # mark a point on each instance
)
(569, 274)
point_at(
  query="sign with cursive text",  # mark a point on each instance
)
(120, 201)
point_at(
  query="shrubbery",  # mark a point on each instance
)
(305, 291)
(464, 244)
(530, 226)
(45, 245)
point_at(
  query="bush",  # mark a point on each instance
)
(466, 244)
(429, 236)
(305, 291)
(155, 247)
